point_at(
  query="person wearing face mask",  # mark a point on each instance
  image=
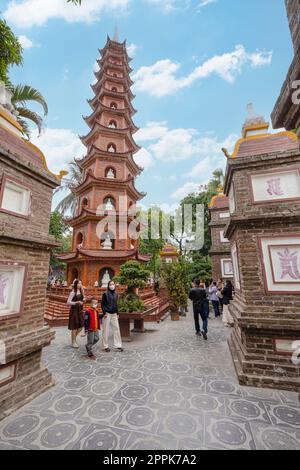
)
(109, 307)
(92, 323)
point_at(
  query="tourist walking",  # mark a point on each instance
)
(109, 307)
(213, 290)
(220, 286)
(199, 298)
(76, 321)
(92, 324)
(227, 298)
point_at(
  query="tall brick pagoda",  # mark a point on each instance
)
(109, 171)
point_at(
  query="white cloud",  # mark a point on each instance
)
(152, 131)
(28, 13)
(160, 78)
(185, 190)
(204, 3)
(168, 6)
(59, 146)
(25, 42)
(132, 50)
(144, 159)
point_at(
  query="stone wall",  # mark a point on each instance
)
(24, 265)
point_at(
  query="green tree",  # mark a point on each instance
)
(134, 276)
(10, 51)
(175, 279)
(149, 245)
(69, 203)
(62, 235)
(11, 54)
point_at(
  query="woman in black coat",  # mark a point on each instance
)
(109, 305)
(227, 294)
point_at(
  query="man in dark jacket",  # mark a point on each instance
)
(199, 298)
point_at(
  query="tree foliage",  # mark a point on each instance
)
(62, 234)
(175, 279)
(68, 204)
(10, 51)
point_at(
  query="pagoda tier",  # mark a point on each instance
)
(92, 159)
(107, 189)
(103, 136)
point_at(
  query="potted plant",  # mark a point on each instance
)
(134, 276)
(174, 279)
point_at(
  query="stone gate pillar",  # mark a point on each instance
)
(263, 187)
(26, 187)
(220, 249)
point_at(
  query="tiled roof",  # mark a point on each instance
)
(269, 143)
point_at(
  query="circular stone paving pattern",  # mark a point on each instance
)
(21, 426)
(229, 433)
(204, 403)
(153, 365)
(102, 410)
(180, 368)
(102, 440)
(222, 386)
(168, 397)
(160, 379)
(68, 404)
(288, 415)
(58, 435)
(81, 368)
(190, 382)
(131, 375)
(147, 444)
(101, 388)
(140, 417)
(181, 424)
(133, 392)
(278, 440)
(245, 409)
(104, 371)
(75, 383)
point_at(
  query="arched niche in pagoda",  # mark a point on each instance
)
(105, 275)
(109, 203)
(113, 124)
(110, 172)
(85, 203)
(112, 148)
(113, 105)
(114, 89)
(108, 240)
(79, 239)
(74, 275)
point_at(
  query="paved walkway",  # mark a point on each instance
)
(168, 390)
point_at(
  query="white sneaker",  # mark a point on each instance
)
(75, 345)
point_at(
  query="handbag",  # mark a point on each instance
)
(219, 294)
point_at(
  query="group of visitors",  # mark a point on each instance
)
(92, 321)
(220, 295)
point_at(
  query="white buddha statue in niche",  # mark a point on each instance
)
(107, 244)
(105, 279)
(109, 206)
(111, 149)
(110, 174)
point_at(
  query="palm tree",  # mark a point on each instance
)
(69, 203)
(21, 95)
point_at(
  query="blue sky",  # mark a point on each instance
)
(197, 64)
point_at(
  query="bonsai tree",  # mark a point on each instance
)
(174, 277)
(134, 276)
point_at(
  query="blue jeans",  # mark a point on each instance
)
(216, 307)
